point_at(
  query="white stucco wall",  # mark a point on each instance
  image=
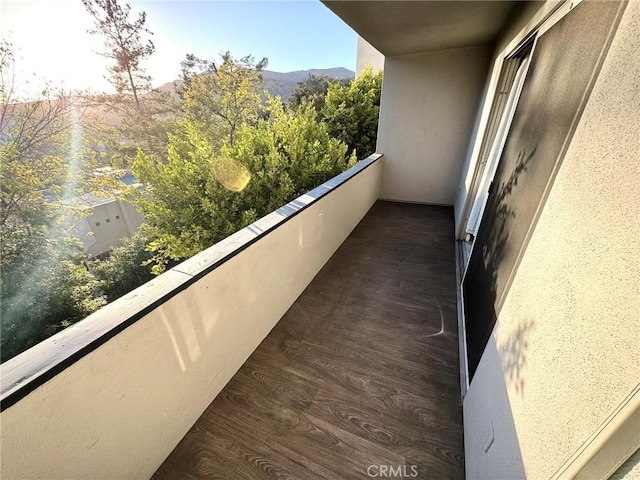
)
(107, 230)
(366, 54)
(427, 112)
(565, 351)
(106, 225)
(119, 411)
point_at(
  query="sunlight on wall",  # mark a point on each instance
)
(174, 342)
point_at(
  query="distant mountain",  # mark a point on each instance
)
(300, 75)
(277, 83)
(282, 84)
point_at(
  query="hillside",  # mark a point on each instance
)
(277, 83)
(282, 84)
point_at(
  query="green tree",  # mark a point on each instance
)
(203, 194)
(190, 68)
(45, 288)
(44, 285)
(125, 269)
(125, 44)
(222, 97)
(46, 153)
(148, 130)
(147, 115)
(351, 112)
(313, 90)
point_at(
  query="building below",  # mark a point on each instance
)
(110, 220)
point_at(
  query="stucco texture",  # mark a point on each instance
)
(366, 56)
(428, 107)
(566, 349)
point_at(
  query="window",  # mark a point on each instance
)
(515, 69)
(564, 65)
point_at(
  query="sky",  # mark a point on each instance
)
(52, 42)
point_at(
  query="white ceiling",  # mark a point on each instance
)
(403, 27)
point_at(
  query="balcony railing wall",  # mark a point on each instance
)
(111, 396)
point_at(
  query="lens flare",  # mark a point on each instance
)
(231, 174)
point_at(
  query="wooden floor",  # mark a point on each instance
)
(361, 372)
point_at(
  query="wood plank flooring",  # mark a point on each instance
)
(362, 370)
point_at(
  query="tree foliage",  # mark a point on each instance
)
(215, 161)
(351, 112)
(203, 194)
(222, 97)
(190, 68)
(45, 155)
(147, 115)
(313, 90)
(48, 289)
(125, 43)
(125, 269)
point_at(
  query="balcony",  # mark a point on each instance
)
(320, 341)
(361, 371)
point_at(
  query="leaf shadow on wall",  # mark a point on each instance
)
(513, 351)
(513, 354)
(482, 286)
